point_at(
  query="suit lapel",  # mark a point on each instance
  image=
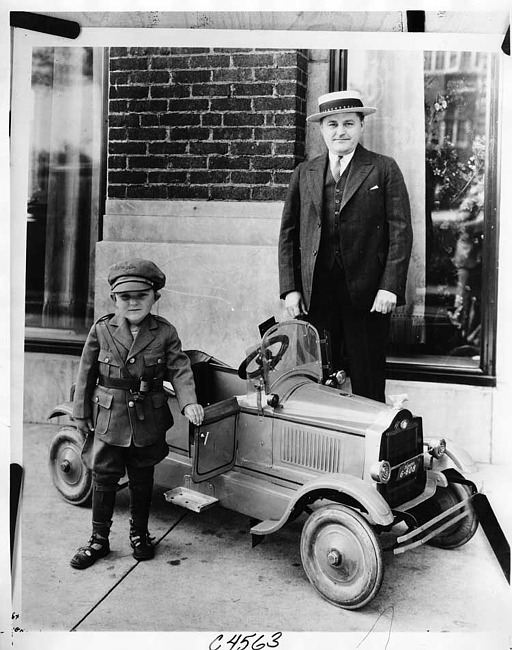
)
(360, 167)
(315, 176)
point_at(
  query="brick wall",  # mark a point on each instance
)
(194, 123)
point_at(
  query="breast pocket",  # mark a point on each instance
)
(108, 365)
(375, 195)
(102, 409)
(154, 364)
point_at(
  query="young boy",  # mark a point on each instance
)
(121, 406)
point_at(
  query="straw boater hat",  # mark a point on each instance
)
(343, 101)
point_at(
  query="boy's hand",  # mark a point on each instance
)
(195, 413)
(84, 425)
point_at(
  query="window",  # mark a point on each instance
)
(64, 190)
(437, 118)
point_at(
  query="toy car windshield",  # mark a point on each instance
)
(290, 349)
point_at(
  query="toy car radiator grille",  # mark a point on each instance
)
(311, 449)
(403, 449)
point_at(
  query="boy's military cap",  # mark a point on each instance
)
(135, 274)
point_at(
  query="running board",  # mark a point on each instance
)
(189, 499)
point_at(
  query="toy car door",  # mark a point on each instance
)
(215, 440)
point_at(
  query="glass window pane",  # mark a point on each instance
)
(445, 172)
(456, 115)
(63, 200)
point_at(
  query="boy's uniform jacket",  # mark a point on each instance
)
(155, 354)
(375, 232)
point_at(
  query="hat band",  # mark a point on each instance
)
(337, 104)
(132, 278)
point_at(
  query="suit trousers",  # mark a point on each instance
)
(358, 337)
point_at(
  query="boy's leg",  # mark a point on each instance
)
(141, 492)
(108, 468)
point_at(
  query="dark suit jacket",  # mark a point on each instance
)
(155, 354)
(375, 228)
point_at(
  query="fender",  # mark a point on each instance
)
(456, 457)
(376, 509)
(65, 408)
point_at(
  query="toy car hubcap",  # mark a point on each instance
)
(334, 557)
(70, 465)
(346, 567)
(341, 556)
(70, 476)
(65, 466)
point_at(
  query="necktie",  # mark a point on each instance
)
(336, 171)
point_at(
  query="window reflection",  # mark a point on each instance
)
(63, 201)
(433, 117)
(455, 143)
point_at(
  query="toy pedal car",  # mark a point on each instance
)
(276, 442)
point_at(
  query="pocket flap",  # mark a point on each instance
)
(152, 359)
(103, 398)
(106, 356)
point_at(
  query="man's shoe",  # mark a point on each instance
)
(142, 545)
(96, 548)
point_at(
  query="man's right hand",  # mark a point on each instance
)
(294, 304)
(84, 425)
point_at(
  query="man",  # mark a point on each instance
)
(345, 242)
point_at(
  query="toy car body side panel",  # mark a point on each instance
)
(302, 452)
(254, 442)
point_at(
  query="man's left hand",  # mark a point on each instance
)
(385, 302)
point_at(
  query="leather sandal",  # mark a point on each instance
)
(142, 544)
(96, 548)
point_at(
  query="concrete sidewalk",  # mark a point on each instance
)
(206, 576)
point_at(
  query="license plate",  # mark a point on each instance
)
(408, 468)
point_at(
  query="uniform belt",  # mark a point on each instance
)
(131, 384)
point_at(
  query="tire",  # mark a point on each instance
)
(461, 531)
(341, 556)
(70, 476)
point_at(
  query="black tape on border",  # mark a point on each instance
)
(14, 501)
(44, 24)
(493, 532)
(505, 46)
(415, 21)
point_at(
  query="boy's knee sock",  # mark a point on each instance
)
(103, 502)
(140, 504)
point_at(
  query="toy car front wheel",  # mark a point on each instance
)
(464, 529)
(341, 556)
(70, 476)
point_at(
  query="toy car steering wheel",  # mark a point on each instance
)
(255, 356)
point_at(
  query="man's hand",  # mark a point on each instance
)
(84, 425)
(195, 413)
(294, 304)
(385, 302)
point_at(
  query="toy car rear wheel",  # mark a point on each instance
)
(70, 476)
(341, 556)
(464, 529)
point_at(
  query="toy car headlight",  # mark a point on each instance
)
(381, 471)
(437, 448)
